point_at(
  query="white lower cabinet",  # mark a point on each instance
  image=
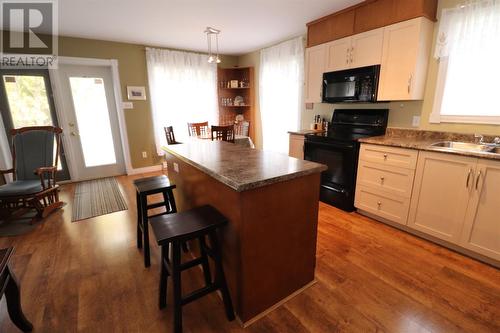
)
(441, 193)
(481, 231)
(385, 181)
(453, 198)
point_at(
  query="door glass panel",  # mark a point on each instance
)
(28, 101)
(92, 116)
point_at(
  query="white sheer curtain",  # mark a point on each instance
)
(468, 45)
(183, 88)
(281, 92)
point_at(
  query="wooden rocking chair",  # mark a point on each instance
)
(34, 167)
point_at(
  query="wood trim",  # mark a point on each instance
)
(367, 16)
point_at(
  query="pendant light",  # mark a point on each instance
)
(213, 35)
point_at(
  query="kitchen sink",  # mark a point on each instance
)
(466, 146)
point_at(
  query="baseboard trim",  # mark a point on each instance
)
(280, 303)
(145, 170)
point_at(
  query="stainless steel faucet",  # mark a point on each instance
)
(496, 141)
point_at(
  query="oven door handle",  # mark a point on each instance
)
(330, 145)
(333, 189)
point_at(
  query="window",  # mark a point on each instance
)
(281, 85)
(183, 88)
(468, 50)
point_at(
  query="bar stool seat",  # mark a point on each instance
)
(145, 187)
(175, 229)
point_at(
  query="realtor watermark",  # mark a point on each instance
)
(29, 34)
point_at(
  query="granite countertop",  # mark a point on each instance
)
(305, 131)
(422, 140)
(241, 168)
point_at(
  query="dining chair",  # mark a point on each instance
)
(198, 129)
(169, 133)
(242, 128)
(223, 133)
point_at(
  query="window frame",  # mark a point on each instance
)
(436, 117)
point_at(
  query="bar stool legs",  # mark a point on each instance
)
(175, 268)
(139, 220)
(220, 279)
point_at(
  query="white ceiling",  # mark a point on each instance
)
(247, 25)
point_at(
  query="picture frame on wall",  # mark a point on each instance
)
(136, 93)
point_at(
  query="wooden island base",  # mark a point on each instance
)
(269, 245)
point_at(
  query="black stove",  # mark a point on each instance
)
(339, 150)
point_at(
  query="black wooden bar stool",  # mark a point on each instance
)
(144, 188)
(174, 230)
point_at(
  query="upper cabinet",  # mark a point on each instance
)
(356, 51)
(405, 57)
(368, 15)
(314, 68)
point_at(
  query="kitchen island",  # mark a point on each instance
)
(271, 201)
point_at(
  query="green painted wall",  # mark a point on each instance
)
(132, 67)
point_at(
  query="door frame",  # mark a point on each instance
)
(59, 102)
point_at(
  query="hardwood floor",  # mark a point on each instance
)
(89, 276)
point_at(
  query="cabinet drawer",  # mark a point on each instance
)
(397, 181)
(398, 157)
(390, 207)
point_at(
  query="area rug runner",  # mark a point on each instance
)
(97, 197)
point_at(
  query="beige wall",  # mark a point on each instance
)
(132, 67)
(401, 114)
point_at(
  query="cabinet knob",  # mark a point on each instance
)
(382, 179)
(385, 156)
(379, 204)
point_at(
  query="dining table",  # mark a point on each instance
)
(241, 140)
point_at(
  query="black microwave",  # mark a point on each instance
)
(351, 85)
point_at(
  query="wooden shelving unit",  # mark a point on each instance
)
(228, 112)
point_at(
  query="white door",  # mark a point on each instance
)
(481, 231)
(338, 54)
(91, 129)
(367, 48)
(443, 184)
(315, 67)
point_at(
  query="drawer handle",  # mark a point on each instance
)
(382, 180)
(379, 204)
(477, 180)
(385, 157)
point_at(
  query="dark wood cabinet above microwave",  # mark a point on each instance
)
(365, 16)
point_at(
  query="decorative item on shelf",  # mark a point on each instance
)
(213, 33)
(136, 93)
(234, 84)
(239, 118)
(239, 101)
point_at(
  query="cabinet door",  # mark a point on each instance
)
(399, 57)
(314, 69)
(296, 148)
(481, 232)
(338, 54)
(367, 48)
(443, 183)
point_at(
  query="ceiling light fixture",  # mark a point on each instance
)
(213, 34)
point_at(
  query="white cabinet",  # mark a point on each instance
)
(405, 58)
(360, 50)
(441, 192)
(481, 231)
(385, 181)
(296, 146)
(366, 48)
(314, 69)
(338, 54)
